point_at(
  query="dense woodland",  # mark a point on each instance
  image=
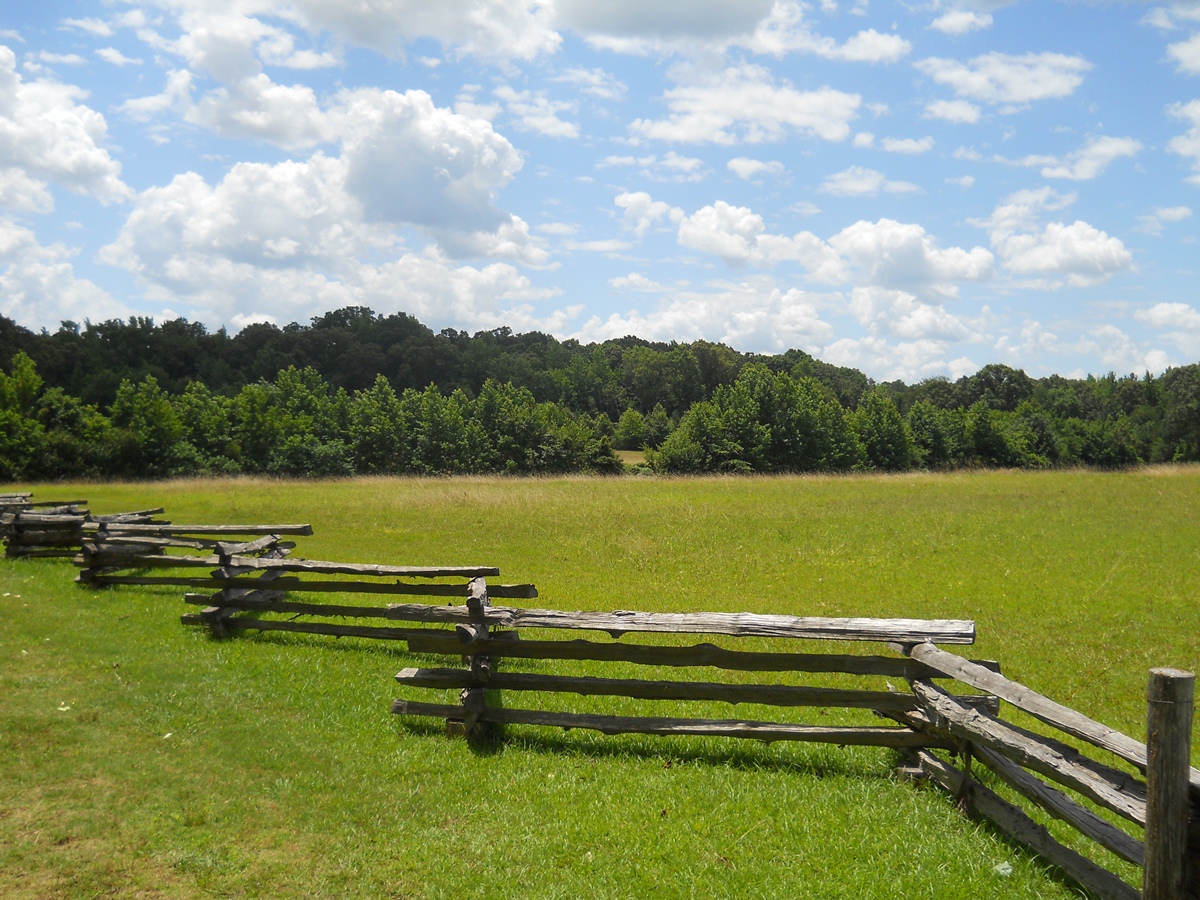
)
(356, 392)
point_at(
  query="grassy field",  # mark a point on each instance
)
(144, 759)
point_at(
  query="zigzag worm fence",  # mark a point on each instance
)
(1106, 797)
(1138, 802)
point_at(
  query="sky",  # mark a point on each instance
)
(913, 189)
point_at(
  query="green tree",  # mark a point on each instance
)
(658, 426)
(999, 387)
(75, 436)
(19, 389)
(883, 432)
(206, 430)
(145, 430)
(22, 438)
(810, 430)
(514, 431)
(631, 431)
(1181, 416)
(257, 426)
(936, 435)
(442, 445)
(379, 441)
(698, 443)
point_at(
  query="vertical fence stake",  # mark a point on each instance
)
(1169, 699)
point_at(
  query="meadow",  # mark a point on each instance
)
(146, 759)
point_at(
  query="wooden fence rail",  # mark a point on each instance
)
(235, 598)
(110, 547)
(58, 528)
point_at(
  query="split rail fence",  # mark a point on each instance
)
(1139, 802)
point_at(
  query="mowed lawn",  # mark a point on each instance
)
(145, 759)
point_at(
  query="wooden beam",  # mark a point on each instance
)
(324, 567)
(514, 591)
(238, 623)
(695, 655)
(111, 559)
(1056, 762)
(1063, 807)
(762, 731)
(765, 694)
(167, 530)
(1169, 697)
(1062, 717)
(1023, 830)
(735, 624)
(245, 548)
(117, 518)
(328, 610)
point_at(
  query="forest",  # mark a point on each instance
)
(355, 392)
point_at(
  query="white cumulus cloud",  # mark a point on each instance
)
(903, 256)
(771, 27)
(1153, 223)
(961, 21)
(908, 360)
(739, 235)
(786, 30)
(595, 83)
(488, 29)
(1178, 323)
(858, 181)
(1005, 79)
(1187, 144)
(960, 112)
(411, 162)
(39, 287)
(1055, 254)
(288, 241)
(745, 104)
(1187, 55)
(746, 168)
(641, 211)
(900, 314)
(115, 57)
(534, 111)
(47, 135)
(885, 254)
(755, 314)
(1088, 161)
(256, 107)
(908, 146)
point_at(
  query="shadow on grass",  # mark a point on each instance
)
(812, 759)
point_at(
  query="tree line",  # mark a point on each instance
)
(354, 392)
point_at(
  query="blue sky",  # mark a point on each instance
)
(913, 189)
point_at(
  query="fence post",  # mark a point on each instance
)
(1169, 699)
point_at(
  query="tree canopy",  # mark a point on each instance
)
(356, 392)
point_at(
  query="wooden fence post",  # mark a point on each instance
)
(1169, 699)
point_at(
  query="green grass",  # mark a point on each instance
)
(144, 759)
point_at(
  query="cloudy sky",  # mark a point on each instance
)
(912, 188)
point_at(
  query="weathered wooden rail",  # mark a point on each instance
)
(252, 594)
(111, 548)
(56, 528)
